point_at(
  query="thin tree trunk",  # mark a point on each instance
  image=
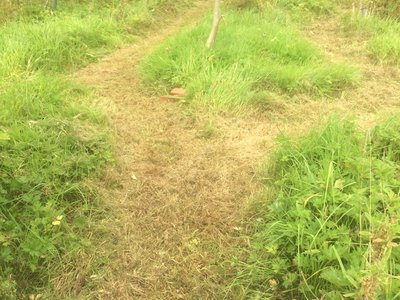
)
(215, 25)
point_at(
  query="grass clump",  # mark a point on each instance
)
(56, 43)
(386, 47)
(386, 7)
(140, 12)
(383, 36)
(254, 53)
(331, 231)
(73, 37)
(314, 6)
(48, 146)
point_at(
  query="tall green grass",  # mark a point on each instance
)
(50, 143)
(313, 6)
(329, 227)
(387, 8)
(142, 11)
(316, 6)
(52, 139)
(55, 44)
(255, 53)
(383, 36)
(73, 37)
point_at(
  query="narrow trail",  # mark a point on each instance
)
(178, 190)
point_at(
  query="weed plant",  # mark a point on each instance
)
(255, 53)
(330, 227)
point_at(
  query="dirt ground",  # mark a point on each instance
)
(183, 177)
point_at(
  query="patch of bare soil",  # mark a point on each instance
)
(180, 185)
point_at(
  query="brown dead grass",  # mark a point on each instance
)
(375, 97)
(177, 194)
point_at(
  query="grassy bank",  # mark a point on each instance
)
(329, 224)
(139, 11)
(255, 53)
(53, 139)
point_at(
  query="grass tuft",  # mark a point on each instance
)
(383, 36)
(330, 228)
(254, 53)
(49, 143)
(313, 6)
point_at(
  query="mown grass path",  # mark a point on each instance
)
(177, 192)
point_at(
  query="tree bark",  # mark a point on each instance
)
(215, 25)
